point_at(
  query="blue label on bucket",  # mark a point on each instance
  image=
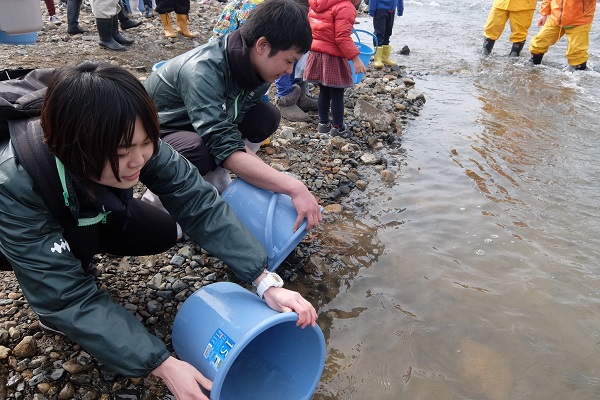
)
(217, 349)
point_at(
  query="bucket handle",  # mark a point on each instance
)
(269, 224)
(356, 31)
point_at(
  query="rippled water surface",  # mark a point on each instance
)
(477, 271)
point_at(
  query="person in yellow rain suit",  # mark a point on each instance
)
(564, 17)
(519, 12)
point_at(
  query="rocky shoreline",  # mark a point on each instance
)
(38, 365)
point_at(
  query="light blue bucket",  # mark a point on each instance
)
(365, 54)
(269, 216)
(18, 38)
(247, 349)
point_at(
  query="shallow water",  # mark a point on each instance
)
(475, 275)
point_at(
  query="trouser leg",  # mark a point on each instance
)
(520, 21)
(260, 122)
(73, 9)
(495, 23)
(164, 6)
(379, 26)
(389, 26)
(579, 41)
(337, 106)
(546, 37)
(324, 104)
(149, 231)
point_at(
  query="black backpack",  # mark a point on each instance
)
(22, 93)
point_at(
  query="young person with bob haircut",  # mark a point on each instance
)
(210, 108)
(101, 150)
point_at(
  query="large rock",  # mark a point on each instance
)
(379, 120)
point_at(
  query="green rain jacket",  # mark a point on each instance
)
(55, 284)
(200, 91)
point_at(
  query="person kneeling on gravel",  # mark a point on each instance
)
(101, 150)
(210, 101)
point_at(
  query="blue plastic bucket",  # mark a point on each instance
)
(269, 216)
(247, 349)
(366, 52)
(18, 38)
(158, 65)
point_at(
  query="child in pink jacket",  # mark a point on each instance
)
(327, 63)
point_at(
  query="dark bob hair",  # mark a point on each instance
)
(89, 111)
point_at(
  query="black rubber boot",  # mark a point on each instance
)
(105, 31)
(126, 22)
(515, 51)
(488, 45)
(580, 67)
(73, 8)
(117, 36)
(536, 58)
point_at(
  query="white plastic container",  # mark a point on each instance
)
(20, 16)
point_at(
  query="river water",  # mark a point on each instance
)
(476, 274)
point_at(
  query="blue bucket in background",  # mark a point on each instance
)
(158, 65)
(366, 52)
(269, 216)
(18, 38)
(247, 349)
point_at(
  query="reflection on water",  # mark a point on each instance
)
(474, 276)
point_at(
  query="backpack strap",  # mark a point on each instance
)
(39, 162)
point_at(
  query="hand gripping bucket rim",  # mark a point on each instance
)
(272, 225)
(231, 335)
(365, 54)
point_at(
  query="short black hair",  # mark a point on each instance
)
(284, 23)
(89, 111)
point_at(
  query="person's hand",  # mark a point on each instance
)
(182, 379)
(359, 67)
(542, 20)
(307, 207)
(284, 300)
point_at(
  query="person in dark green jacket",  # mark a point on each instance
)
(210, 108)
(101, 150)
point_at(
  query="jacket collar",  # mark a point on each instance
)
(238, 58)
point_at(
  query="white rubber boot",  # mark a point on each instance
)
(219, 178)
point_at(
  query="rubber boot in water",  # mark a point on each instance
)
(580, 67)
(536, 58)
(488, 45)
(516, 49)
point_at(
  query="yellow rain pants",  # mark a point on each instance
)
(578, 38)
(520, 21)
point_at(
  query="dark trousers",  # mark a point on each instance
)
(167, 6)
(260, 122)
(149, 230)
(50, 7)
(331, 98)
(383, 22)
